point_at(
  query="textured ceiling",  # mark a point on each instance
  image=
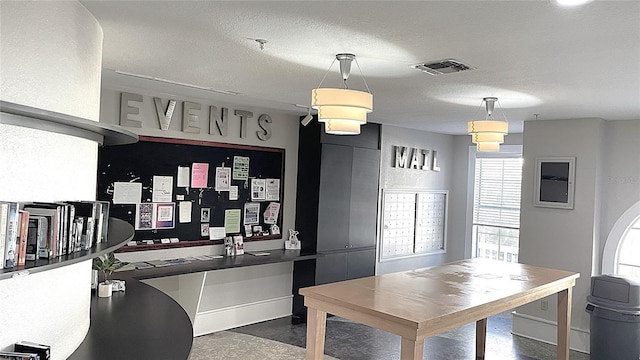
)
(535, 56)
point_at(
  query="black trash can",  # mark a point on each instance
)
(614, 305)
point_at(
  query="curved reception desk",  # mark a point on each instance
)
(140, 323)
(144, 323)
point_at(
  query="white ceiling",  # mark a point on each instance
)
(535, 56)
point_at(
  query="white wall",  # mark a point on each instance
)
(621, 178)
(401, 178)
(54, 65)
(559, 238)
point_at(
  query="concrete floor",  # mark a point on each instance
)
(347, 340)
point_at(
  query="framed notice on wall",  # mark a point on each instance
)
(554, 182)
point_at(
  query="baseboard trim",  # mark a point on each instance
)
(211, 321)
(544, 330)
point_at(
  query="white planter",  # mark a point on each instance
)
(104, 290)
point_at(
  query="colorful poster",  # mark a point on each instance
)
(144, 216)
(223, 178)
(240, 168)
(150, 216)
(251, 213)
(164, 216)
(199, 175)
(271, 213)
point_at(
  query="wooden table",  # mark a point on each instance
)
(420, 303)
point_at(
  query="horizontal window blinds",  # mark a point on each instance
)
(497, 192)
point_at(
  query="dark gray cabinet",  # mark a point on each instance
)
(345, 265)
(348, 198)
(336, 207)
(347, 212)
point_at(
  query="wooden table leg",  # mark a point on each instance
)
(481, 338)
(564, 322)
(316, 327)
(411, 349)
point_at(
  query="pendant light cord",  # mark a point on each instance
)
(325, 74)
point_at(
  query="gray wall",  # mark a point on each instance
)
(400, 178)
(621, 178)
(607, 183)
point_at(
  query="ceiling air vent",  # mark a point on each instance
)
(442, 67)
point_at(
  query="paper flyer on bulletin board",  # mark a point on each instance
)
(199, 175)
(271, 213)
(232, 219)
(223, 178)
(251, 213)
(162, 189)
(272, 189)
(240, 168)
(151, 216)
(183, 176)
(127, 192)
(258, 192)
(233, 192)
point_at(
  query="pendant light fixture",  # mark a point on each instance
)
(489, 133)
(343, 110)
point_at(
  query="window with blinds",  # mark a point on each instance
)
(496, 207)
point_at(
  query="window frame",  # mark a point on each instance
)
(513, 151)
(610, 254)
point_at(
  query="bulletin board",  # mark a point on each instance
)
(413, 223)
(178, 189)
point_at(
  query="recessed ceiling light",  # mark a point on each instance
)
(572, 2)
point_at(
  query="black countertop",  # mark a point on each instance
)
(275, 256)
(144, 323)
(140, 323)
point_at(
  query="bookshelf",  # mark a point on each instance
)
(119, 232)
(104, 134)
(40, 119)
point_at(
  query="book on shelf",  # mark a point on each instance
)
(43, 351)
(102, 224)
(38, 237)
(47, 230)
(35, 231)
(22, 237)
(89, 212)
(4, 216)
(13, 355)
(47, 245)
(11, 244)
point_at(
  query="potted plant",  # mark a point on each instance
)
(106, 264)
